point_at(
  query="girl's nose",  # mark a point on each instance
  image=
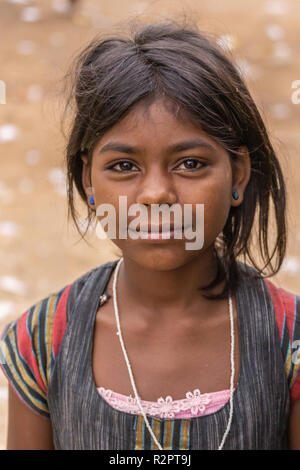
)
(156, 189)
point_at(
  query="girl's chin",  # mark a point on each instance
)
(159, 258)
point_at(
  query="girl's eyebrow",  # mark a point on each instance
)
(178, 147)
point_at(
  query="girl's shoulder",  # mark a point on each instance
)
(285, 305)
(30, 344)
(287, 312)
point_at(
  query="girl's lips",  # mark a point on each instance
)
(159, 236)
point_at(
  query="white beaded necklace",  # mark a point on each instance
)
(130, 372)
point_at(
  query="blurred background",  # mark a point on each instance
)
(40, 252)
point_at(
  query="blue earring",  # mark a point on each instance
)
(92, 200)
(235, 195)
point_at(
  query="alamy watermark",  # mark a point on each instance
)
(2, 358)
(296, 354)
(296, 94)
(2, 92)
(188, 224)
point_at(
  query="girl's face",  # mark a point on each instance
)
(149, 172)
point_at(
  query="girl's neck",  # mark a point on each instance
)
(175, 290)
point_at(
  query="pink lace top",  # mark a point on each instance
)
(195, 404)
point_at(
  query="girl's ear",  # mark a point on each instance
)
(241, 175)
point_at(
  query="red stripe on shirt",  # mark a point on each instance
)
(60, 321)
(295, 390)
(24, 344)
(289, 307)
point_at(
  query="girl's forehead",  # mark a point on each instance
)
(158, 113)
(143, 124)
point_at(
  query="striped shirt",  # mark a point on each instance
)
(30, 345)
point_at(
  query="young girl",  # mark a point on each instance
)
(166, 347)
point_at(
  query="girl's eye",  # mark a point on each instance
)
(123, 165)
(192, 164)
(126, 166)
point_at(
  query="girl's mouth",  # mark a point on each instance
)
(159, 235)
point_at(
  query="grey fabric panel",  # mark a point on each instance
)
(82, 419)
